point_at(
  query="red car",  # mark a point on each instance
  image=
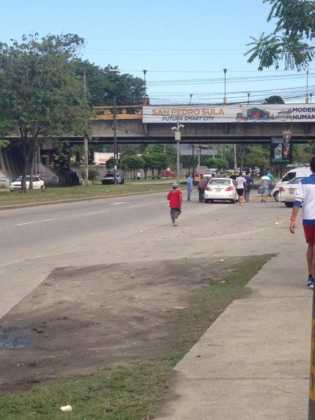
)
(168, 173)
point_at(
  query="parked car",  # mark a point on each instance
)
(109, 178)
(287, 191)
(168, 173)
(38, 183)
(220, 189)
(299, 172)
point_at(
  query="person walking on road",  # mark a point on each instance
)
(264, 188)
(190, 185)
(270, 176)
(175, 202)
(305, 198)
(201, 188)
(248, 186)
(240, 188)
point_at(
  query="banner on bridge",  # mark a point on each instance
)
(228, 113)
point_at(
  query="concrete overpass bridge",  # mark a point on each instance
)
(203, 124)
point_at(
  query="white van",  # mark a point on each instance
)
(301, 171)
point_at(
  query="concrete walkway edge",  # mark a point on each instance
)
(253, 362)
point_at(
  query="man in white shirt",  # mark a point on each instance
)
(305, 198)
(240, 187)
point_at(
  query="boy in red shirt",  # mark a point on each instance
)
(175, 202)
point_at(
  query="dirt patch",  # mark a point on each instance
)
(80, 320)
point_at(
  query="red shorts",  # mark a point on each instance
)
(309, 231)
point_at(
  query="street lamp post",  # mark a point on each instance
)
(178, 136)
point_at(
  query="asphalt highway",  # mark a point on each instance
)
(34, 241)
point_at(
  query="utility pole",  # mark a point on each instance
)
(178, 137)
(193, 160)
(86, 159)
(190, 98)
(86, 139)
(307, 96)
(235, 157)
(145, 81)
(115, 139)
(225, 98)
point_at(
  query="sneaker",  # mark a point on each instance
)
(310, 282)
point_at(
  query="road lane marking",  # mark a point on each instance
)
(119, 203)
(32, 222)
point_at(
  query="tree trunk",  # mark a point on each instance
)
(31, 156)
(24, 148)
(28, 149)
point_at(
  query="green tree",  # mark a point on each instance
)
(302, 153)
(189, 162)
(274, 100)
(216, 163)
(257, 155)
(155, 159)
(131, 162)
(106, 85)
(292, 39)
(40, 95)
(110, 163)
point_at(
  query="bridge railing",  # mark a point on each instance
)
(123, 112)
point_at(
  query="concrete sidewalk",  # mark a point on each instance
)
(253, 362)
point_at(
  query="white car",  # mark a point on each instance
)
(220, 189)
(287, 191)
(38, 183)
(299, 172)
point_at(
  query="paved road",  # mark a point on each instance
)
(34, 241)
(261, 370)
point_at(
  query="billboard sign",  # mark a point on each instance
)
(281, 150)
(194, 114)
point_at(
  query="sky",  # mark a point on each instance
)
(184, 45)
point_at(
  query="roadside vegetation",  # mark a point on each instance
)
(134, 391)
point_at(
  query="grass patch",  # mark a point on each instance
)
(209, 302)
(123, 393)
(133, 392)
(54, 195)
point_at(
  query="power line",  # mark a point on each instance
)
(266, 72)
(263, 91)
(241, 79)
